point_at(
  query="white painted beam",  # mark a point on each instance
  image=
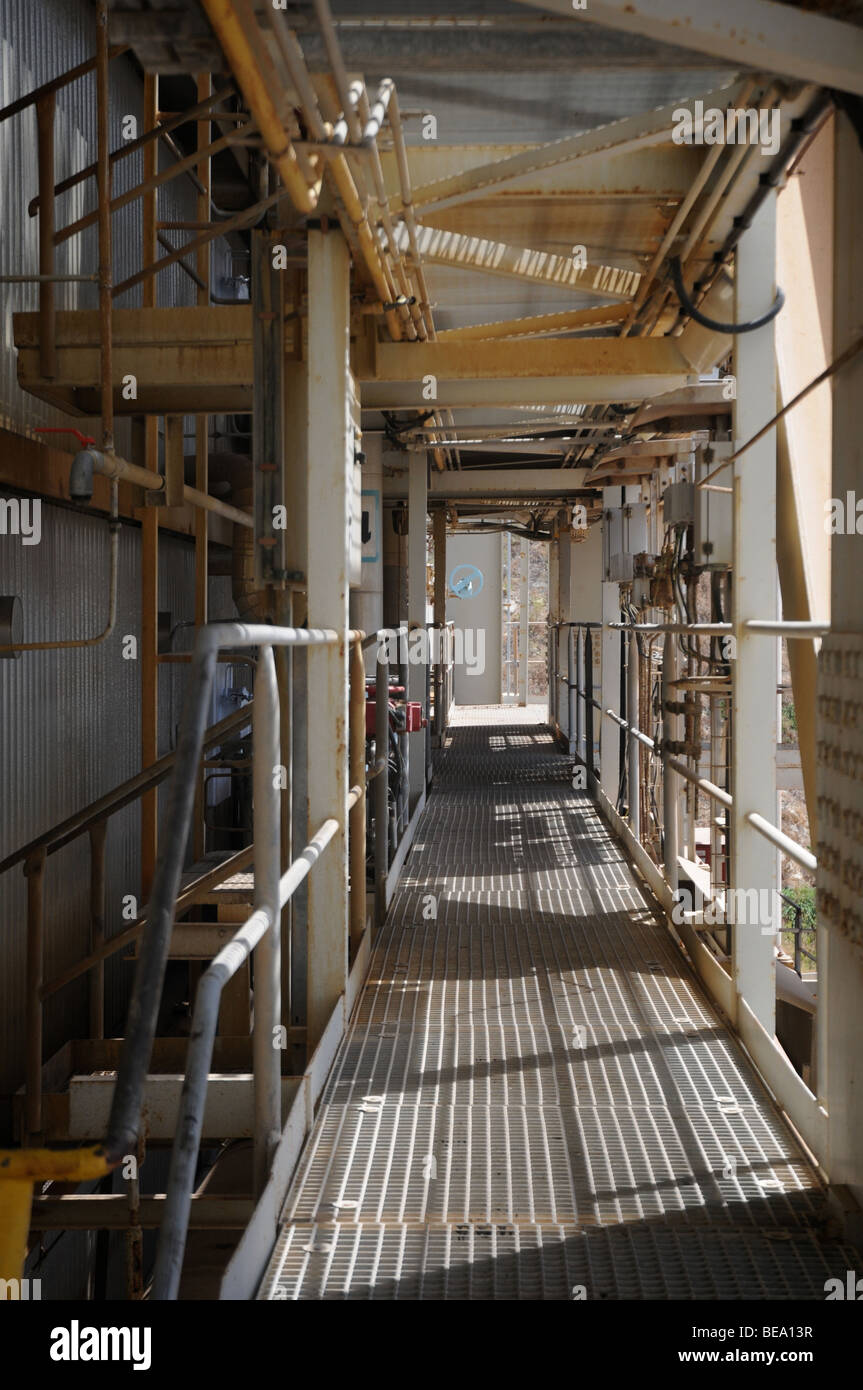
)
(538, 325)
(632, 133)
(228, 1110)
(754, 33)
(494, 373)
(576, 357)
(495, 482)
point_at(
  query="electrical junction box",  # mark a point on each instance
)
(678, 504)
(624, 535)
(713, 544)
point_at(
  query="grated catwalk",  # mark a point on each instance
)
(535, 1096)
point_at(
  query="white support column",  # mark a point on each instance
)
(565, 548)
(585, 587)
(329, 511)
(553, 615)
(609, 739)
(753, 774)
(417, 599)
(839, 737)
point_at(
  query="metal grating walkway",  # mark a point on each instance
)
(534, 1093)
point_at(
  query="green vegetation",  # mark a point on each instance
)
(803, 895)
(789, 723)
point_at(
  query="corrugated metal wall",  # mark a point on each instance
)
(70, 721)
(70, 731)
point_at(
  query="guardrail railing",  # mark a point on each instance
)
(578, 681)
(93, 820)
(259, 933)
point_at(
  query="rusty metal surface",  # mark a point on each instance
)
(39, 41)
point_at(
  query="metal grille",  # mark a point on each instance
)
(544, 1263)
(534, 1093)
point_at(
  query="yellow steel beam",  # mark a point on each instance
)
(538, 325)
(259, 83)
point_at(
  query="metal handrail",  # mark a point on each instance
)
(190, 1121)
(92, 819)
(120, 796)
(20, 1170)
(770, 832)
(272, 892)
(124, 1121)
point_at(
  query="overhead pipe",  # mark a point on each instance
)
(258, 87)
(409, 308)
(90, 461)
(334, 53)
(683, 211)
(338, 166)
(113, 573)
(395, 120)
(103, 194)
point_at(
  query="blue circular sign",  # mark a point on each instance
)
(466, 581)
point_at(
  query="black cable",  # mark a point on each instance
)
(689, 308)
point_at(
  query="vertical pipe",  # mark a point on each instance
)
(204, 88)
(103, 184)
(34, 870)
(417, 604)
(125, 1117)
(149, 524)
(382, 751)
(98, 836)
(634, 751)
(572, 689)
(299, 903)
(45, 110)
(284, 657)
(439, 534)
(553, 661)
(588, 702)
(357, 778)
(402, 810)
(523, 618)
(579, 691)
(670, 779)
(134, 1233)
(267, 813)
(427, 731)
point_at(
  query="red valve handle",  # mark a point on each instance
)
(83, 439)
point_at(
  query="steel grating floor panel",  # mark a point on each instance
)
(535, 1095)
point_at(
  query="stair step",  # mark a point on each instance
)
(194, 940)
(228, 1113)
(95, 1061)
(100, 1211)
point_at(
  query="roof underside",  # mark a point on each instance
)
(491, 81)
